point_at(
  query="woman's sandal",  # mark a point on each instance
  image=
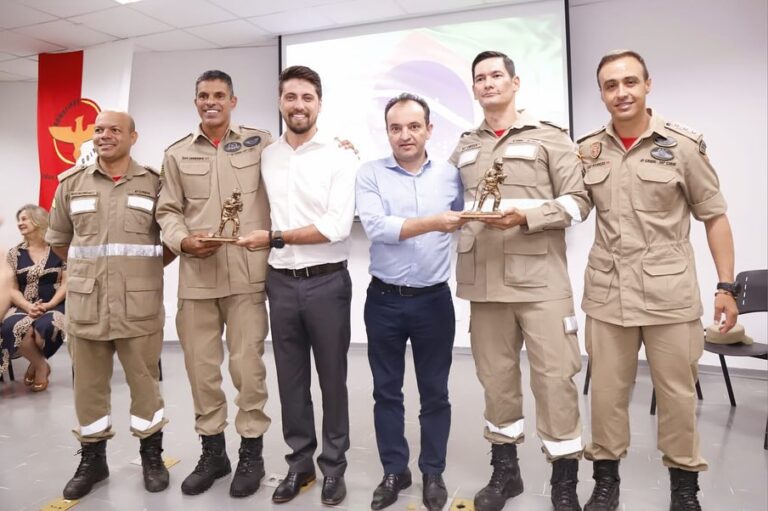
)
(29, 376)
(39, 387)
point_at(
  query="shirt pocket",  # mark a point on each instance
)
(465, 263)
(195, 179)
(599, 276)
(143, 298)
(82, 300)
(139, 213)
(247, 170)
(667, 284)
(520, 163)
(84, 210)
(654, 189)
(597, 181)
(525, 258)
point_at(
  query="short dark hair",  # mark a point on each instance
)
(485, 55)
(620, 54)
(215, 74)
(301, 73)
(402, 98)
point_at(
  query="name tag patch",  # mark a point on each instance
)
(140, 202)
(468, 157)
(525, 151)
(82, 205)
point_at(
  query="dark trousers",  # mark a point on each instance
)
(428, 320)
(312, 315)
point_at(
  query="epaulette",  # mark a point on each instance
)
(151, 169)
(179, 140)
(590, 134)
(467, 133)
(255, 129)
(71, 172)
(554, 125)
(684, 130)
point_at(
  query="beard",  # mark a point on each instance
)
(300, 127)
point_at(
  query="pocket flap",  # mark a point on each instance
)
(655, 175)
(246, 159)
(80, 284)
(526, 244)
(596, 175)
(195, 167)
(671, 267)
(466, 242)
(143, 284)
(600, 260)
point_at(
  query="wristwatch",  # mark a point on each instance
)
(732, 288)
(276, 239)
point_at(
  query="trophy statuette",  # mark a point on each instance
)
(488, 185)
(230, 212)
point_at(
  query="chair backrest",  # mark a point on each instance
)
(754, 292)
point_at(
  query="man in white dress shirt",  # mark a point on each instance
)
(310, 182)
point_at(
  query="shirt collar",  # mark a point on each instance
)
(391, 163)
(522, 120)
(134, 169)
(318, 139)
(233, 132)
(656, 125)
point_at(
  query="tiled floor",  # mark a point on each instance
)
(37, 449)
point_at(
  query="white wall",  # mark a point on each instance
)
(707, 60)
(708, 63)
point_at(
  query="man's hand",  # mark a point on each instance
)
(512, 217)
(725, 304)
(346, 144)
(448, 221)
(254, 240)
(194, 246)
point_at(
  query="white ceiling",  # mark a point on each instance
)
(29, 27)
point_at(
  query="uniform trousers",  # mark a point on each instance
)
(673, 353)
(428, 320)
(200, 324)
(310, 315)
(92, 364)
(497, 332)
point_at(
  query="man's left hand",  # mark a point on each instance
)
(254, 240)
(725, 304)
(512, 217)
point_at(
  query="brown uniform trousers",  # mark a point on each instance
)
(640, 283)
(226, 288)
(518, 283)
(114, 293)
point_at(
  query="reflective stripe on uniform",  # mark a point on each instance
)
(562, 447)
(514, 430)
(96, 426)
(140, 424)
(566, 201)
(114, 250)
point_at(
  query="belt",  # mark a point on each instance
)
(311, 271)
(405, 290)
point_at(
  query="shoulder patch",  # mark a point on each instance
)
(151, 169)
(182, 139)
(683, 130)
(71, 172)
(590, 134)
(554, 125)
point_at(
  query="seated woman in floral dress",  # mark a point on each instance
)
(33, 327)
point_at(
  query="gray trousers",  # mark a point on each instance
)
(312, 315)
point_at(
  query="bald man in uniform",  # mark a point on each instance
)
(647, 176)
(102, 223)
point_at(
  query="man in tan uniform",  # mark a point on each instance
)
(219, 284)
(513, 270)
(102, 224)
(646, 177)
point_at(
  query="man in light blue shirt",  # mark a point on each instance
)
(408, 206)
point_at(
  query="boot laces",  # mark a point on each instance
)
(205, 461)
(603, 488)
(499, 476)
(686, 493)
(88, 458)
(247, 461)
(564, 493)
(152, 457)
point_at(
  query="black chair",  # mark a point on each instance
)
(753, 298)
(10, 372)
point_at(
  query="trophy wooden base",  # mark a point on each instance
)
(481, 215)
(220, 239)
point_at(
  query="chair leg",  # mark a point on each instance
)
(160, 367)
(698, 391)
(587, 377)
(10, 371)
(727, 380)
(765, 443)
(653, 402)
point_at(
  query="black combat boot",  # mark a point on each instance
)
(92, 469)
(565, 475)
(605, 495)
(505, 481)
(155, 473)
(250, 468)
(213, 464)
(684, 486)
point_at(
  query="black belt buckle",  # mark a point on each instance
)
(400, 291)
(301, 272)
